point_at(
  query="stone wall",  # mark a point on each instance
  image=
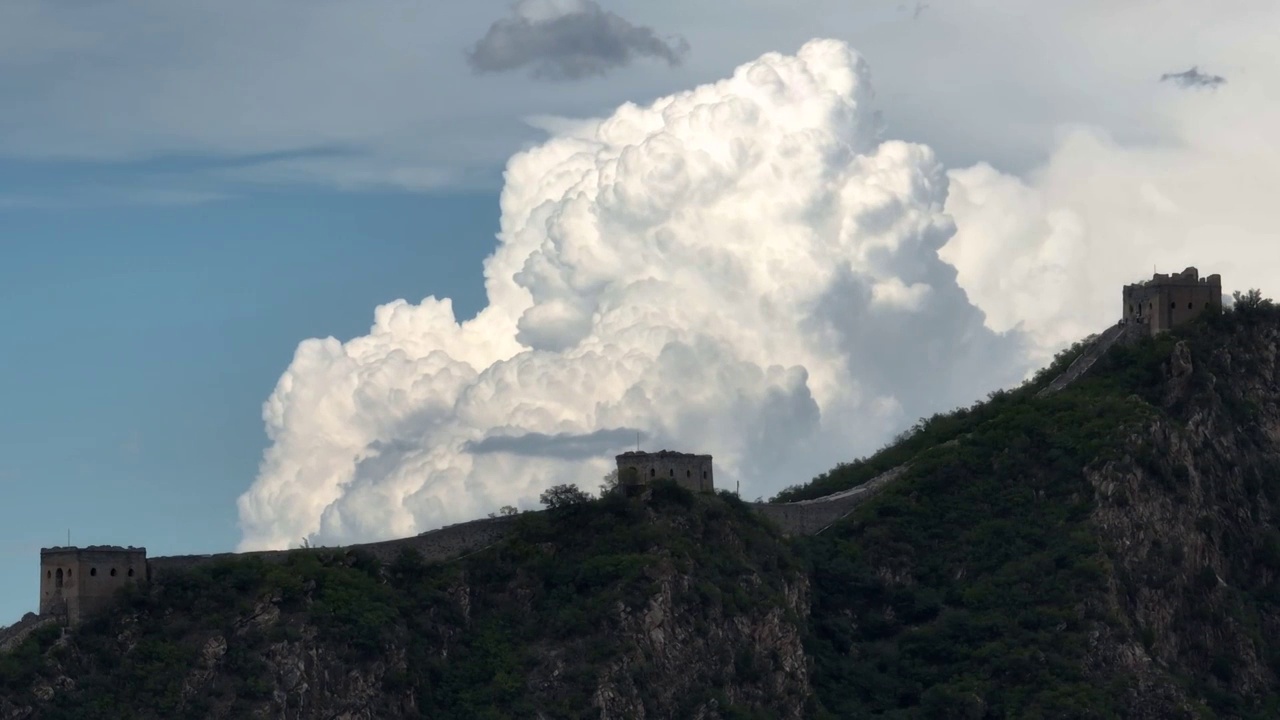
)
(447, 542)
(1118, 334)
(434, 546)
(805, 517)
(810, 517)
(12, 636)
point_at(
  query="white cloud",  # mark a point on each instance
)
(744, 268)
(1048, 251)
(1074, 168)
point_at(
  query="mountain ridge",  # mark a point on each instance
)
(1110, 549)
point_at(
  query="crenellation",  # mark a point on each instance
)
(692, 471)
(1166, 301)
(78, 581)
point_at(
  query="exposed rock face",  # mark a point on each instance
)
(1190, 513)
(669, 643)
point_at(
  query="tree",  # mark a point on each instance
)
(609, 482)
(1251, 306)
(1250, 300)
(615, 480)
(563, 496)
(505, 511)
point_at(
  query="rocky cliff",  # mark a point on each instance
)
(1110, 549)
(1107, 550)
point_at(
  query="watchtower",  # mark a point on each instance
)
(1166, 301)
(76, 582)
(689, 470)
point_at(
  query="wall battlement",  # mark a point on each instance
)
(434, 545)
(692, 471)
(1166, 301)
(806, 517)
(75, 582)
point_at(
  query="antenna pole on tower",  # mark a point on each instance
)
(68, 537)
(637, 441)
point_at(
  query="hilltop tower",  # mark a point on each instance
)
(1166, 301)
(76, 582)
(689, 470)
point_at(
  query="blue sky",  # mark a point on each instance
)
(189, 191)
(140, 342)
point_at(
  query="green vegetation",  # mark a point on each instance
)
(969, 588)
(479, 636)
(961, 590)
(975, 586)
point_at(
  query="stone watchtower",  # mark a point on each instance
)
(77, 582)
(690, 471)
(1166, 301)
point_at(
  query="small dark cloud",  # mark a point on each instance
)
(583, 41)
(916, 11)
(1193, 78)
(564, 446)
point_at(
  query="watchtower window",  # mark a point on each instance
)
(1173, 305)
(688, 473)
(1206, 306)
(673, 472)
(704, 474)
(48, 573)
(93, 572)
(1189, 306)
(58, 579)
(652, 472)
(113, 572)
(130, 572)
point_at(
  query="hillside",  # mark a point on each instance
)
(1108, 550)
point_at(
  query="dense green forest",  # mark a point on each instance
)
(1110, 550)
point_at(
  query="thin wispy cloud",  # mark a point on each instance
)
(564, 446)
(79, 199)
(559, 40)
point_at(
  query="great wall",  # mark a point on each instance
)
(805, 517)
(80, 597)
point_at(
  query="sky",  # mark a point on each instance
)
(344, 271)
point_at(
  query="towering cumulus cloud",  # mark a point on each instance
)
(744, 269)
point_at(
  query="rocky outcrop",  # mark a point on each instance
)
(1190, 516)
(667, 640)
